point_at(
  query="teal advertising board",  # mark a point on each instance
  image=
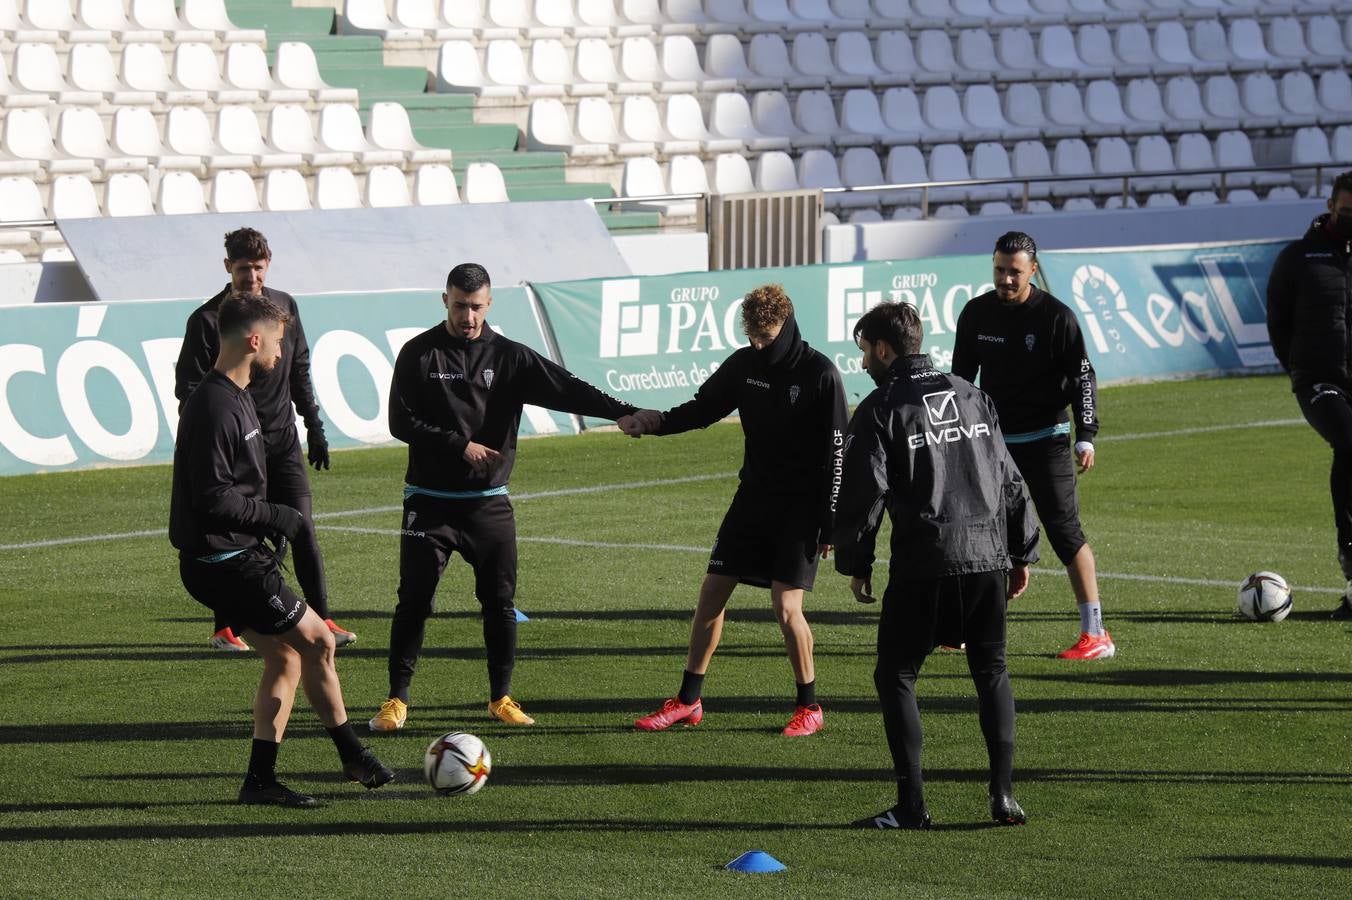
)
(1146, 313)
(92, 384)
(653, 341)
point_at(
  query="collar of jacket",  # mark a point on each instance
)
(785, 349)
(487, 335)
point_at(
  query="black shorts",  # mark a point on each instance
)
(765, 539)
(918, 616)
(247, 591)
(1048, 468)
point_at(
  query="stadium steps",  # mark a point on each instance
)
(438, 120)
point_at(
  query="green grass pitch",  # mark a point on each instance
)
(1209, 759)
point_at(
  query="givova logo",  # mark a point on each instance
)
(628, 327)
(846, 301)
(942, 407)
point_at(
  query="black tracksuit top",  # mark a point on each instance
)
(274, 392)
(448, 391)
(220, 471)
(1032, 360)
(928, 447)
(792, 406)
(1309, 309)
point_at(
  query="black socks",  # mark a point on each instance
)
(691, 686)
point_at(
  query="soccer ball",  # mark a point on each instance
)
(1264, 597)
(457, 763)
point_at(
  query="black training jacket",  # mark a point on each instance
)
(792, 407)
(1309, 295)
(1032, 360)
(274, 392)
(928, 447)
(220, 472)
(448, 391)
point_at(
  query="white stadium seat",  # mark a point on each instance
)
(724, 58)
(188, 133)
(774, 116)
(860, 113)
(896, 57)
(681, 62)
(731, 116)
(775, 172)
(37, 70)
(387, 187)
(73, 197)
(180, 193)
(92, 69)
(1153, 154)
(484, 184)
(816, 114)
(595, 124)
(389, 127)
(210, 15)
(127, 194)
(371, 17)
(237, 132)
(297, 69)
(110, 16)
(340, 129)
(548, 128)
(285, 189)
(684, 119)
(434, 185)
(853, 57)
(336, 188)
(79, 133)
(641, 120)
(233, 191)
(290, 130)
(460, 71)
(144, 69)
(27, 135)
(732, 174)
(135, 133)
(162, 16)
(198, 68)
(246, 67)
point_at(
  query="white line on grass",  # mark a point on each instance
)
(606, 488)
(1200, 429)
(685, 548)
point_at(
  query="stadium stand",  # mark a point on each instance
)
(1065, 104)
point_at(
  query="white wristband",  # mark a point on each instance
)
(1083, 447)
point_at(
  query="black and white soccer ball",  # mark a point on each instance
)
(1264, 597)
(457, 763)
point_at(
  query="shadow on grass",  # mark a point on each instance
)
(115, 653)
(1268, 859)
(384, 829)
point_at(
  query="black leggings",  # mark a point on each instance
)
(1329, 411)
(917, 616)
(483, 531)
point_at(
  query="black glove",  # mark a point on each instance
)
(319, 446)
(279, 545)
(284, 520)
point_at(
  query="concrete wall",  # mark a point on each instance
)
(1267, 220)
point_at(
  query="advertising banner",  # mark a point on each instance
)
(92, 384)
(1167, 313)
(653, 341)
(1146, 313)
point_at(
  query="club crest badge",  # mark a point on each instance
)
(793, 394)
(488, 377)
(276, 603)
(412, 514)
(1028, 341)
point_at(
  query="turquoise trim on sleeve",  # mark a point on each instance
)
(411, 489)
(1029, 436)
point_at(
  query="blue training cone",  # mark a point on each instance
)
(522, 617)
(756, 861)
